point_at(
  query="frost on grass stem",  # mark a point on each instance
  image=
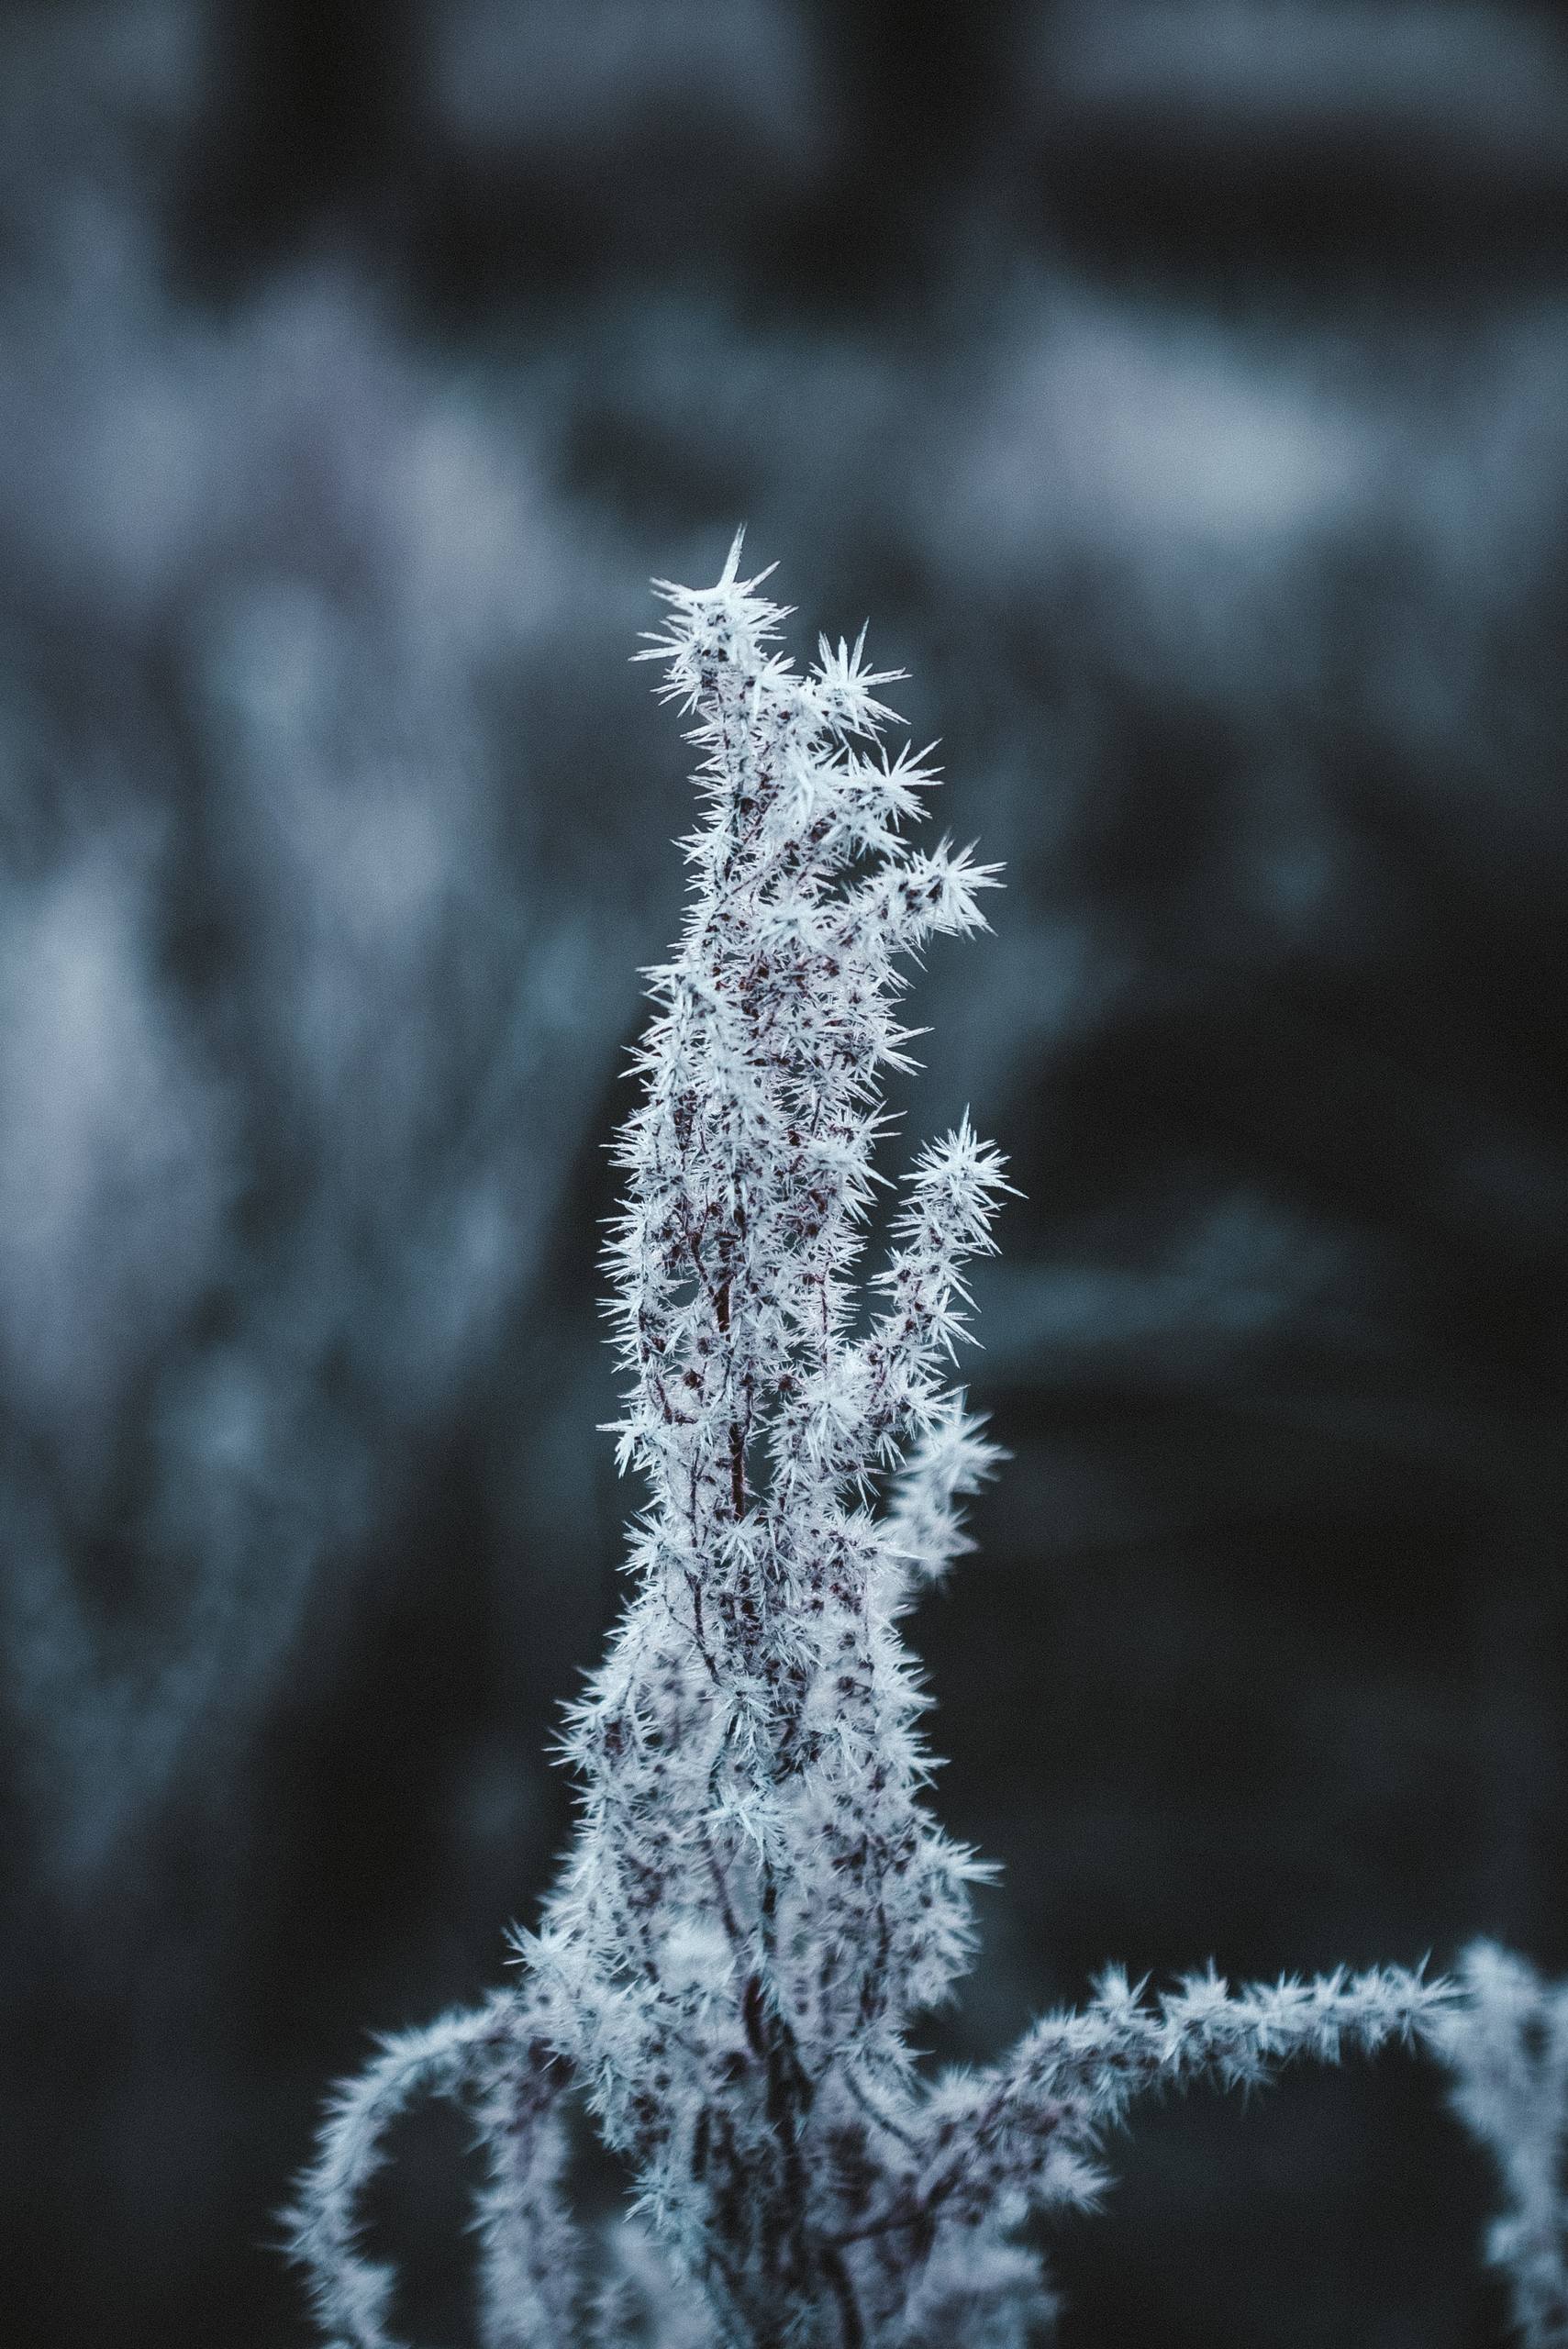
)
(758, 1904)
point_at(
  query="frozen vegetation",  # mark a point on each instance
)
(758, 1904)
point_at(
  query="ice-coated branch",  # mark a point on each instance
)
(531, 2268)
(1030, 2123)
(1507, 2044)
(511, 2076)
(758, 1904)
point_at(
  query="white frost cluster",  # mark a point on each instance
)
(758, 1904)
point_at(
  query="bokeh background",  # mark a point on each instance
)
(1180, 390)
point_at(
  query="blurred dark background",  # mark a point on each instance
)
(1181, 391)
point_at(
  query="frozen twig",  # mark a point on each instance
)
(758, 1904)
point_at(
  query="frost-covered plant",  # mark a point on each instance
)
(1508, 2045)
(758, 1904)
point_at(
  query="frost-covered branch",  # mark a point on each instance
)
(758, 1904)
(513, 2078)
(1029, 2124)
(1506, 2043)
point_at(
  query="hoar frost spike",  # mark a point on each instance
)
(757, 1905)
